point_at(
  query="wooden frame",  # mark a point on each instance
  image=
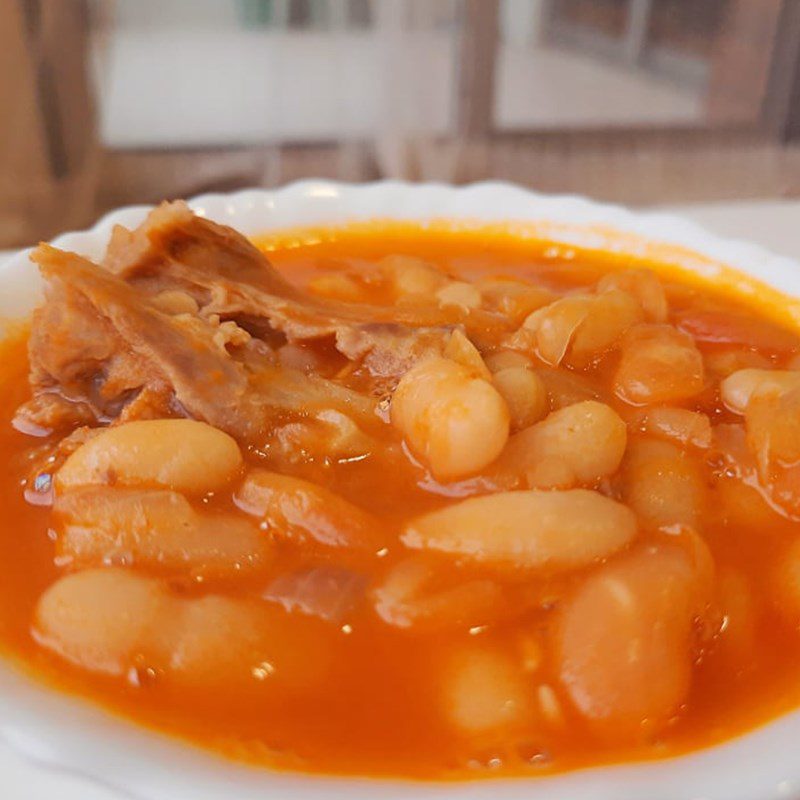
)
(748, 80)
(48, 149)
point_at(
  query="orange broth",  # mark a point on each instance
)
(378, 712)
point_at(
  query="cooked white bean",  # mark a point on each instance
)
(412, 276)
(155, 527)
(785, 585)
(515, 299)
(549, 331)
(739, 388)
(658, 364)
(409, 596)
(459, 294)
(99, 619)
(527, 529)
(212, 636)
(116, 622)
(484, 690)
(679, 425)
(579, 444)
(735, 497)
(623, 645)
(565, 387)
(456, 423)
(576, 329)
(663, 484)
(503, 359)
(180, 454)
(773, 438)
(721, 363)
(461, 350)
(525, 395)
(644, 285)
(301, 511)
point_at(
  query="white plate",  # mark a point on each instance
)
(65, 732)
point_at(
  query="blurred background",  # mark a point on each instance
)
(644, 102)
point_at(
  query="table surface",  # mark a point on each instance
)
(774, 224)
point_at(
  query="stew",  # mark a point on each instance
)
(389, 500)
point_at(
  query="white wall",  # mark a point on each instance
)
(156, 14)
(521, 21)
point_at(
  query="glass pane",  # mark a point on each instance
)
(622, 63)
(230, 72)
(690, 28)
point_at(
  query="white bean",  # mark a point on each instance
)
(503, 359)
(525, 395)
(156, 527)
(409, 597)
(301, 511)
(484, 690)
(99, 619)
(461, 350)
(577, 328)
(679, 425)
(115, 622)
(739, 388)
(455, 422)
(526, 529)
(644, 285)
(658, 364)
(623, 644)
(579, 444)
(180, 454)
(663, 484)
(459, 294)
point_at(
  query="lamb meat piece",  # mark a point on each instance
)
(70, 344)
(50, 411)
(183, 319)
(230, 277)
(143, 347)
(101, 341)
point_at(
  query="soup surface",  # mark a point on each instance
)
(399, 501)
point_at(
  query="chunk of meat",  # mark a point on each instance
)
(105, 344)
(230, 277)
(114, 344)
(203, 377)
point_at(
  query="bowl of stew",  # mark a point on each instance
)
(390, 489)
